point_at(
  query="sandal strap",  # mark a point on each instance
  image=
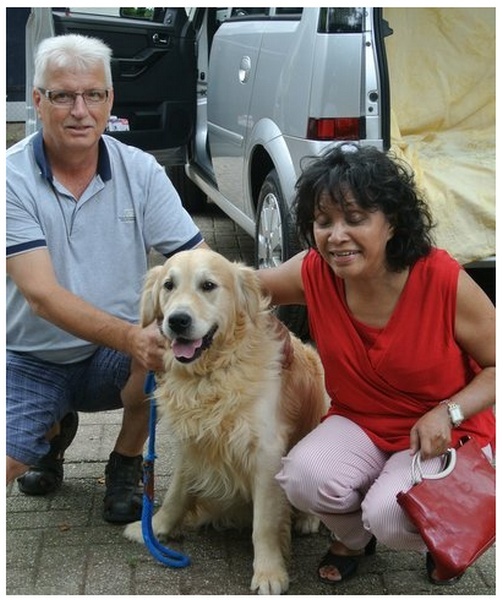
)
(346, 565)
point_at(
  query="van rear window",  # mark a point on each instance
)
(341, 20)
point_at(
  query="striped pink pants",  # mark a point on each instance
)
(337, 473)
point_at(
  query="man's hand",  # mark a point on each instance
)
(147, 346)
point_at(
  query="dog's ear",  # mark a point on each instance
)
(149, 304)
(250, 296)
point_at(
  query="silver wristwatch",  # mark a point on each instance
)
(455, 413)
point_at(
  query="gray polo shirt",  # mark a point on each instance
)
(99, 244)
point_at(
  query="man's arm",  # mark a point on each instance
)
(34, 275)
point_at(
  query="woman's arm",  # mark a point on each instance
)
(475, 332)
(283, 284)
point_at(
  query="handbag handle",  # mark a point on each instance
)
(448, 467)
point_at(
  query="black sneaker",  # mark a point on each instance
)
(46, 475)
(123, 496)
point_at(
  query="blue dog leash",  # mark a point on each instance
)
(164, 555)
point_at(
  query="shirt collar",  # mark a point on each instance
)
(104, 169)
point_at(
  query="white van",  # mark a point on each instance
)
(233, 99)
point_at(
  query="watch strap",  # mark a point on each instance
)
(455, 413)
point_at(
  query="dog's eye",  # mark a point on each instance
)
(208, 286)
(168, 285)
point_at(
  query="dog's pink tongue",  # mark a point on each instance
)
(185, 348)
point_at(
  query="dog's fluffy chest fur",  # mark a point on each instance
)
(211, 413)
(223, 427)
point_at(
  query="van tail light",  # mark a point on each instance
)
(342, 128)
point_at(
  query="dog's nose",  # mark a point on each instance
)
(179, 322)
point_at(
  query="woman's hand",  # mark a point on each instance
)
(432, 433)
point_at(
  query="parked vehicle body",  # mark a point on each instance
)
(233, 99)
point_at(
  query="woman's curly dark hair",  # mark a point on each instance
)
(377, 182)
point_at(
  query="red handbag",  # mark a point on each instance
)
(454, 510)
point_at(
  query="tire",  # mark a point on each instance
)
(193, 199)
(275, 242)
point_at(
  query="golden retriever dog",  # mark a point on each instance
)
(237, 393)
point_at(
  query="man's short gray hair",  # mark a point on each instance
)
(77, 53)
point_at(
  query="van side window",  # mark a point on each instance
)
(167, 16)
(249, 12)
(287, 12)
(148, 14)
(266, 12)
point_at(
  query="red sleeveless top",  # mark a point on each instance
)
(386, 379)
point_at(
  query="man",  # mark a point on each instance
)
(83, 211)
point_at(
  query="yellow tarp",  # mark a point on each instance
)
(442, 73)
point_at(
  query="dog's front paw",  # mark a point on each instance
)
(133, 532)
(270, 582)
(305, 524)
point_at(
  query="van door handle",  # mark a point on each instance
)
(244, 69)
(159, 41)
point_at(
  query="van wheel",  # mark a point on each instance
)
(193, 199)
(275, 242)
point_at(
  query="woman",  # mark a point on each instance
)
(407, 340)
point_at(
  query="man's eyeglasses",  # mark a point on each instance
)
(65, 98)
